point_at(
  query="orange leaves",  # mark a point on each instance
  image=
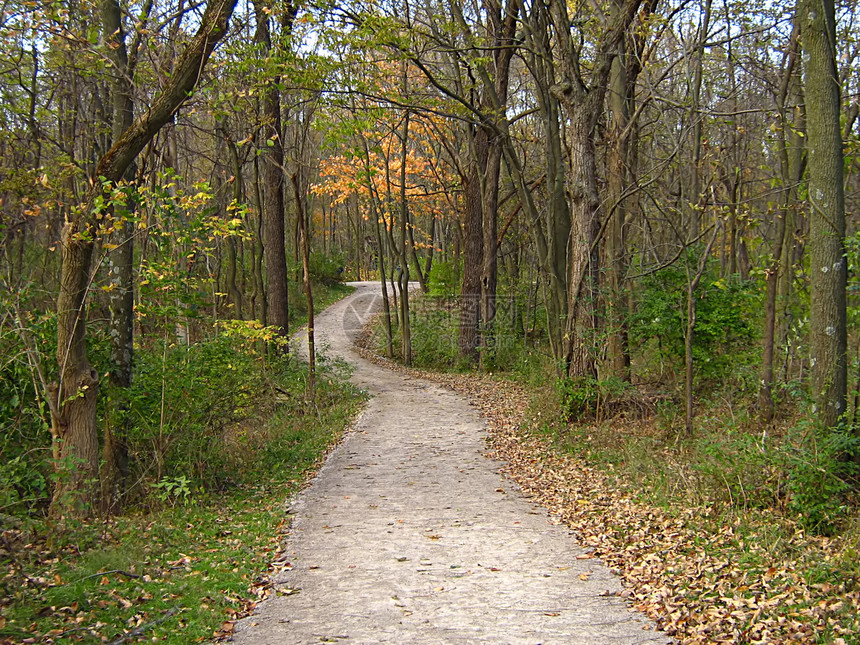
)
(372, 172)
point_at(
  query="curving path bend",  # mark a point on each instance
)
(410, 535)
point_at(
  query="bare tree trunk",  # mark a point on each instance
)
(277, 296)
(779, 271)
(828, 268)
(306, 273)
(405, 327)
(552, 247)
(470, 292)
(236, 297)
(583, 105)
(257, 259)
(693, 198)
(375, 213)
(618, 355)
(120, 273)
(581, 305)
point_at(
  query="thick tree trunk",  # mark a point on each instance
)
(583, 105)
(581, 305)
(478, 295)
(552, 246)
(73, 398)
(618, 355)
(828, 268)
(277, 292)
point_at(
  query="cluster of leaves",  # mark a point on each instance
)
(185, 572)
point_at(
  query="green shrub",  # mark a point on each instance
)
(726, 323)
(434, 335)
(819, 476)
(805, 471)
(182, 398)
(444, 280)
(586, 398)
(326, 268)
(25, 439)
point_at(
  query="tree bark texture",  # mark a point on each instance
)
(779, 271)
(583, 104)
(120, 261)
(274, 244)
(582, 292)
(618, 355)
(828, 268)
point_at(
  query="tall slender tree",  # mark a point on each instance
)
(828, 266)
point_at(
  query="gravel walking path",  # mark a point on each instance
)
(410, 535)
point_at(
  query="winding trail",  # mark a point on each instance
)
(410, 535)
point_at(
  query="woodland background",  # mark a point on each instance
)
(641, 210)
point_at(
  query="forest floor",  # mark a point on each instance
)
(701, 574)
(703, 578)
(411, 533)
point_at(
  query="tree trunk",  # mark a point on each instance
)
(490, 252)
(306, 279)
(581, 305)
(274, 247)
(120, 260)
(618, 355)
(583, 105)
(778, 273)
(258, 251)
(236, 297)
(690, 330)
(473, 250)
(828, 268)
(380, 251)
(403, 243)
(694, 185)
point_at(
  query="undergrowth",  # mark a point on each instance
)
(181, 572)
(220, 434)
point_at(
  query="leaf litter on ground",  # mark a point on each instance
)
(701, 578)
